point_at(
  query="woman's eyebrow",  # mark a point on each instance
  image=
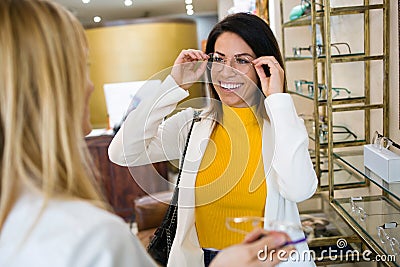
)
(237, 55)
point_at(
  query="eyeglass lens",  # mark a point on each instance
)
(241, 63)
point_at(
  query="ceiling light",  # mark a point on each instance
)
(85, 1)
(128, 2)
(189, 7)
(97, 19)
(188, 2)
(189, 12)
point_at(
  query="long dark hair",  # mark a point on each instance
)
(257, 34)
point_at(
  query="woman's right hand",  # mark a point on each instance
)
(186, 69)
(260, 248)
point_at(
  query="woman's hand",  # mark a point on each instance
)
(274, 83)
(259, 248)
(186, 69)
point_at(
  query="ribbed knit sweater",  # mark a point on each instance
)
(231, 180)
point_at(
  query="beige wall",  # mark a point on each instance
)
(131, 53)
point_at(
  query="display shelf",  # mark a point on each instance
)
(336, 11)
(343, 179)
(354, 158)
(379, 210)
(355, 57)
(335, 167)
(327, 236)
(340, 142)
(302, 21)
(349, 10)
(341, 99)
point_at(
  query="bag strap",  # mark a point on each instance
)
(196, 117)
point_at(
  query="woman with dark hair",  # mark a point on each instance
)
(247, 158)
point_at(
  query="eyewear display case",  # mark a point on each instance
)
(369, 205)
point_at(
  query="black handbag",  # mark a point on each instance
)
(161, 243)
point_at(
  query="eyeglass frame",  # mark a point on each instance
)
(321, 87)
(358, 210)
(379, 141)
(259, 220)
(392, 240)
(318, 49)
(224, 59)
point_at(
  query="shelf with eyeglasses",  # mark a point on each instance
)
(305, 89)
(342, 135)
(354, 159)
(306, 20)
(329, 230)
(338, 58)
(376, 220)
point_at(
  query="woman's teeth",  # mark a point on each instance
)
(230, 86)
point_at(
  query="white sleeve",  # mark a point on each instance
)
(144, 137)
(110, 244)
(297, 180)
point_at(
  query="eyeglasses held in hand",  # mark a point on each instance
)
(241, 62)
(380, 141)
(386, 239)
(245, 225)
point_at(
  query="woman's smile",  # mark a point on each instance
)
(230, 86)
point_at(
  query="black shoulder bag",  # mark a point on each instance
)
(161, 243)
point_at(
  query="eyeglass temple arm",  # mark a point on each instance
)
(343, 43)
(390, 140)
(346, 129)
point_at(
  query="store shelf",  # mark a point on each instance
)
(343, 179)
(355, 57)
(344, 168)
(302, 21)
(327, 236)
(379, 210)
(337, 11)
(340, 99)
(354, 158)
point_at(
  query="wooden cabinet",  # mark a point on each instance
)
(122, 185)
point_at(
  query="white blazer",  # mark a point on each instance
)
(145, 137)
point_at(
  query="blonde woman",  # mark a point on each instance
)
(51, 212)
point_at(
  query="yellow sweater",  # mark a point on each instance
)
(231, 178)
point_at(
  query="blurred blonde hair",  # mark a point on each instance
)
(43, 70)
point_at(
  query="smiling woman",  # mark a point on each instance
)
(248, 144)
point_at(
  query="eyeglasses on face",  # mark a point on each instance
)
(242, 63)
(244, 225)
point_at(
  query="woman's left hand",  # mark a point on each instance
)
(274, 83)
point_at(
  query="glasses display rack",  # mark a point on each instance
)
(338, 161)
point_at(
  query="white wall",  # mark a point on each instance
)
(204, 26)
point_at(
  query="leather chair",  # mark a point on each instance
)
(150, 211)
